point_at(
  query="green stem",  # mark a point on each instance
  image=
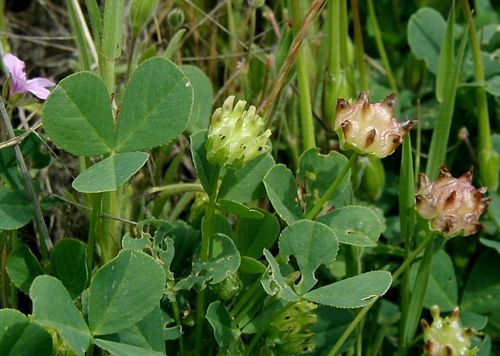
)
(407, 222)
(208, 230)
(44, 241)
(253, 11)
(263, 328)
(418, 144)
(243, 300)
(130, 60)
(82, 35)
(353, 260)
(306, 115)
(488, 159)
(4, 43)
(175, 308)
(380, 46)
(107, 226)
(358, 40)
(111, 40)
(90, 350)
(95, 21)
(177, 188)
(359, 317)
(93, 229)
(334, 78)
(290, 130)
(254, 295)
(14, 244)
(427, 241)
(332, 188)
(312, 14)
(180, 206)
(5, 279)
(359, 339)
(417, 298)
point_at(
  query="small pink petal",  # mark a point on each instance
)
(37, 86)
(15, 66)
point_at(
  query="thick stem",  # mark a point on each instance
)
(360, 50)
(407, 221)
(488, 159)
(108, 227)
(306, 115)
(111, 41)
(380, 46)
(208, 225)
(417, 298)
(208, 230)
(93, 229)
(332, 188)
(332, 84)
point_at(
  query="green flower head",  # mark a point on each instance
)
(446, 336)
(235, 135)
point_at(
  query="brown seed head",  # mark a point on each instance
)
(453, 206)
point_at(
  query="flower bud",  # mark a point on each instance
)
(370, 128)
(446, 336)
(452, 205)
(176, 18)
(234, 135)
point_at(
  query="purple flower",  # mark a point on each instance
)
(36, 86)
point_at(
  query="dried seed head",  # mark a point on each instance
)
(235, 136)
(370, 128)
(446, 336)
(452, 205)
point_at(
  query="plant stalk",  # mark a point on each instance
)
(360, 50)
(311, 16)
(44, 242)
(208, 230)
(334, 78)
(332, 188)
(380, 46)
(489, 160)
(418, 295)
(95, 219)
(407, 218)
(362, 313)
(306, 116)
